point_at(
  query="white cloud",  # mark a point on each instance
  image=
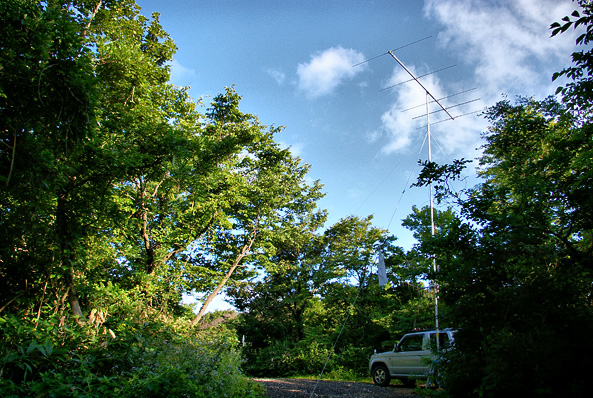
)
(507, 42)
(405, 121)
(506, 48)
(327, 70)
(180, 75)
(399, 125)
(277, 75)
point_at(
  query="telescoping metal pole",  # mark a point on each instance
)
(432, 230)
(434, 263)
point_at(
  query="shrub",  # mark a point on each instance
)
(153, 358)
(355, 359)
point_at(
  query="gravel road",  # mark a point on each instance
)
(302, 388)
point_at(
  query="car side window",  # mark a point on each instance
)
(444, 341)
(411, 343)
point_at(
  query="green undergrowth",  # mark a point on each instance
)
(106, 357)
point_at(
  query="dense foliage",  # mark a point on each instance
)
(112, 355)
(119, 195)
(517, 264)
(321, 308)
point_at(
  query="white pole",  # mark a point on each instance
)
(432, 226)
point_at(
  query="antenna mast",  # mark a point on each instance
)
(433, 230)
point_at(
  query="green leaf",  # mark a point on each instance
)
(32, 347)
(48, 348)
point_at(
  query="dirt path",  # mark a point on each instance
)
(302, 388)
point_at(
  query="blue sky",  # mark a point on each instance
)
(292, 62)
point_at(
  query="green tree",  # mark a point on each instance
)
(177, 205)
(273, 308)
(517, 275)
(517, 280)
(108, 174)
(416, 268)
(270, 195)
(48, 129)
(419, 259)
(577, 93)
(127, 173)
(292, 316)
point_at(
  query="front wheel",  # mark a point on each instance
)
(381, 375)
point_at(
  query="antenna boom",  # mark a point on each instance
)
(421, 85)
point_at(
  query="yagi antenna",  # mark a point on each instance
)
(433, 228)
(450, 117)
(428, 94)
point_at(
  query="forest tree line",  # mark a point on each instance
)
(120, 194)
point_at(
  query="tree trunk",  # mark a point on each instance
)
(65, 239)
(142, 215)
(244, 251)
(73, 296)
(148, 244)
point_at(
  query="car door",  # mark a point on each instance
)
(407, 360)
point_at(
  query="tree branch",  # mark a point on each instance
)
(244, 251)
(11, 160)
(88, 25)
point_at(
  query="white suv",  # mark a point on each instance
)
(410, 359)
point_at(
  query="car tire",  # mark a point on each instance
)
(381, 375)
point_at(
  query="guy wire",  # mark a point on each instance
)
(383, 180)
(362, 280)
(405, 186)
